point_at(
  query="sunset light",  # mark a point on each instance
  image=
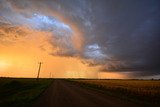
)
(81, 39)
(79, 53)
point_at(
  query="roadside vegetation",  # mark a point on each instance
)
(143, 92)
(21, 92)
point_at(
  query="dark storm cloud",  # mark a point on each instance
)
(130, 33)
(120, 35)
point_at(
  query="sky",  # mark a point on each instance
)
(80, 38)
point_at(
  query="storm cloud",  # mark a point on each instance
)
(117, 35)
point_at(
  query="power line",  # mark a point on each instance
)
(39, 69)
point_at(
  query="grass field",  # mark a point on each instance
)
(21, 92)
(144, 92)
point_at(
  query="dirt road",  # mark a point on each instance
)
(65, 94)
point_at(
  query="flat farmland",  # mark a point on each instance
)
(21, 92)
(28, 92)
(143, 92)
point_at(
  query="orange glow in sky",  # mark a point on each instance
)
(21, 60)
(112, 75)
(79, 39)
(21, 53)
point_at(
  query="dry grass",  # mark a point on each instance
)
(145, 90)
(143, 87)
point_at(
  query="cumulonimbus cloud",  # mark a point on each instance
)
(118, 36)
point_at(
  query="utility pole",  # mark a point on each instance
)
(50, 75)
(40, 63)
